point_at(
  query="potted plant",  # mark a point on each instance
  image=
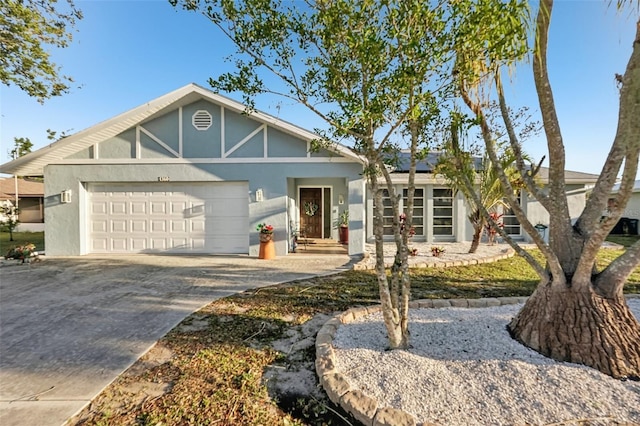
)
(343, 227)
(267, 248)
(266, 232)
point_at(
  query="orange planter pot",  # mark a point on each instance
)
(267, 250)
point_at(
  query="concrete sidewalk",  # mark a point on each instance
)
(70, 326)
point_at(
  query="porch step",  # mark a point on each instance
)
(320, 246)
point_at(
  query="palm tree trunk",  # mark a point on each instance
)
(477, 232)
(581, 327)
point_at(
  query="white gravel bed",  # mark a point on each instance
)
(464, 369)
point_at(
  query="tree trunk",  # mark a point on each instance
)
(581, 327)
(397, 328)
(477, 232)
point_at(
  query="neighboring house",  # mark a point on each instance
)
(189, 172)
(30, 201)
(628, 223)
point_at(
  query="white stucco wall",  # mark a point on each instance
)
(576, 201)
(633, 207)
(67, 227)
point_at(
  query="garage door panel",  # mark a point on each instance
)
(99, 226)
(198, 243)
(118, 226)
(169, 217)
(138, 244)
(196, 210)
(100, 244)
(158, 243)
(178, 208)
(119, 244)
(99, 207)
(158, 207)
(197, 226)
(158, 226)
(138, 226)
(178, 226)
(139, 208)
(118, 207)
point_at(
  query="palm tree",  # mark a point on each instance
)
(459, 167)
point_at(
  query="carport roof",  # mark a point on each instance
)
(33, 163)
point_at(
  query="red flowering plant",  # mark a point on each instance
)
(263, 228)
(26, 253)
(491, 231)
(266, 232)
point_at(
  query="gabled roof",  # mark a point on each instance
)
(26, 188)
(33, 163)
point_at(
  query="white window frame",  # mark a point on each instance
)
(508, 215)
(386, 200)
(434, 216)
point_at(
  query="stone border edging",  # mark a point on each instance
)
(364, 408)
(363, 264)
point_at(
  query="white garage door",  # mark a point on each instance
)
(176, 217)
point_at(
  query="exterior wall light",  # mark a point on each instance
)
(65, 196)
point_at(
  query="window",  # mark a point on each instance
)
(418, 210)
(510, 221)
(387, 213)
(442, 212)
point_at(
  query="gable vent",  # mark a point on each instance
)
(202, 120)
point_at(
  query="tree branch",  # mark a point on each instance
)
(527, 178)
(610, 282)
(556, 269)
(560, 228)
(627, 139)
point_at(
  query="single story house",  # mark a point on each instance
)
(190, 172)
(30, 201)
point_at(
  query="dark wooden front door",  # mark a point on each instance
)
(311, 202)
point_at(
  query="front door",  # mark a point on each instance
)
(311, 212)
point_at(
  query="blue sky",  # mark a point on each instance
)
(126, 53)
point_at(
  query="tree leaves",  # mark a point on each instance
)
(27, 29)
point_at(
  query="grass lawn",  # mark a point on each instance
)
(20, 238)
(211, 369)
(625, 240)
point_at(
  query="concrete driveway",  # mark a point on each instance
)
(70, 326)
